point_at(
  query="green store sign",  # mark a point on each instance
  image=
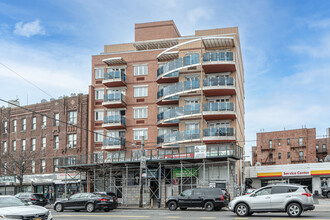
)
(186, 172)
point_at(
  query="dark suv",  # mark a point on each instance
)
(34, 198)
(326, 192)
(208, 198)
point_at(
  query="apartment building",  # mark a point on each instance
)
(42, 135)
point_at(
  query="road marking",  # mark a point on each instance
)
(208, 217)
(172, 217)
(118, 216)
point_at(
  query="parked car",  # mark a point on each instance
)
(33, 198)
(293, 199)
(113, 195)
(326, 192)
(85, 201)
(208, 198)
(249, 191)
(14, 208)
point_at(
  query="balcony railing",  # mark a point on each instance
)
(114, 119)
(218, 106)
(179, 112)
(113, 142)
(114, 97)
(113, 75)
(178, 87)
(218, 81)
(178, 136)
(218, 132)
(218, 56)
(177, 64)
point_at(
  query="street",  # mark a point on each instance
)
(199, 214)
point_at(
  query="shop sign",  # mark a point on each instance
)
(296, 173)
(179, 156)
(7, 179)
(186, 172)
(200, 151)
(151, 173)
(69, 176)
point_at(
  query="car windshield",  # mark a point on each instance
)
(10, 202)
(250, 190)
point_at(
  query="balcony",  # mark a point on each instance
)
(114, 78)
(172, 116)
(215, 135)
(267, 149)
(170, 94)
(176, 65)
(113, 143)
(114, 122)
(114, 100)
(172, 77)
(269, 162)
(297, 146)
(178, 137)
(217, 62)
(219, 111)
(219, 86)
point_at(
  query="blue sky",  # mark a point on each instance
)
(285, 47)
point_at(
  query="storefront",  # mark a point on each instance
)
(314, 175)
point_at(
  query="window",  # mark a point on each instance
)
(5, 169)
(56, 160)
(138, 133)
(288, 141)
(33, 144)
(99, 73)
(98, 136)
(43, 143)
(33, 166)
(263, 192)
(301, 155)
(44, 122)
(279, 155)
(14, 145)
(187, 192)
(270, 144)
(72, 140)
(23, 124)
(141, 112)
(23, 145)
(13, 166)
(300, 141)
(73, 118)
(34, 123)
(57, 118)
(324, 148)
(56, 142)
(140, 70)
(4, 145)
(5, 127)
(141, 91)
(99, 115)
(279, 142)
(288, 155)
(43, 166)
(271, 157)
(14, 125)
(99, 94)
(317, 148)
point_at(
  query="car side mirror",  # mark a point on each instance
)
(182, 194)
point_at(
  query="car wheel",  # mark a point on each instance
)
(90, 207)
(107, 210)
(294, 210)
(172, 206)
(242, 209)
(209, 206)
(328, 195)
(217, 208)
(183, 209)
(59, 207)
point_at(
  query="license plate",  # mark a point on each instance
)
(37, 219)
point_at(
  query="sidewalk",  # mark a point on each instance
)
(322, 204)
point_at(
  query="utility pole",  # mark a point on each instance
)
(142, 165)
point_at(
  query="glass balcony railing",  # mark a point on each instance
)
(115, 75)
(178, 136)
(218, 132)
(178, 112)
(114, 142)
(218, 56)
(114, 97)
(114, 119)
(218, 81)
(218, 106)
(178, 87)
(178, 63)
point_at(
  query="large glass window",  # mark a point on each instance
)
(33, 144)
(141, 112)
(288, 155)
(23, 145)
(73, 117)
(324, 148)
(44, 122)
(301, 155)
(43, 143)
(141, 91)
(57, 118)
(14, 125)
(98, 136)
(99, 94)
(140, 70)
(270, 144)
(4, 145)
(139, 133)
(14, 145)
(288, 141)
(56, 160)
(99, 115)
(43, 166)
(72, 140)
(23, 124)
(99, 73)
(300, 141)
(317, 148)
(5, 127)
(33, 166)
(56, 142)
(279, 156)
(34, 123)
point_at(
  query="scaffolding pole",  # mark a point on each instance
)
(160, 185)
(181, 178)
(65, 186)
(110, 179)
(204, 173)
(94, 182)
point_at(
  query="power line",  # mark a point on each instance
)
(26, 80)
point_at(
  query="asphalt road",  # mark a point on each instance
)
(123, 214)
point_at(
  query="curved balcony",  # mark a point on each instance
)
(114, 78)
(170, 93)
(216, 135)
(171, 117)
(215, 62)
(219, 111)
(165, 70)
(113, 143)
(114, 122)
(219, 86)
(175, 138)
(114, 100)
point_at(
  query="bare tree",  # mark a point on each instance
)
(18, 164)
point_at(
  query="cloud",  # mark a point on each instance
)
(324, 23)
(29, 29)
(198, 14)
